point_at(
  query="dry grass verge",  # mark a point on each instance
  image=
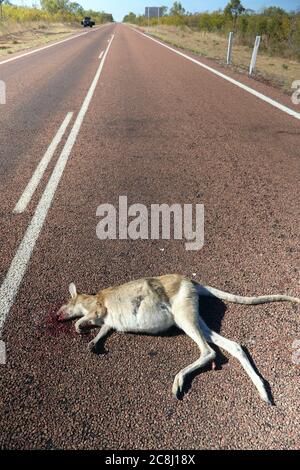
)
(16, 37)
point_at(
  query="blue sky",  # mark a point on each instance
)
(119, 8)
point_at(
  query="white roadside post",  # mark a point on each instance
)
(2, 92)
(2, 353)
(157, 18)
(229, 50)
(148, 19)
(254, 54)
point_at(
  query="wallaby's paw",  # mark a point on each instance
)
(263, 393)
(265, 397)
(177, 385)
(78, 329)
(92, 346)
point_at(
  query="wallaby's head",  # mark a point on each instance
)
(78, 305)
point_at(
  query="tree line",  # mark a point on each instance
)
(52, 10)
(279, 29)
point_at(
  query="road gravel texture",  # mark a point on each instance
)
(160, 130)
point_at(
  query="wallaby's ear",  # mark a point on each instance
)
(72, 290)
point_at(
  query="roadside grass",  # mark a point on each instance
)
(16, 37)
(277, 71)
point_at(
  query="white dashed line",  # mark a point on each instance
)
(17, 269)
(41, 168)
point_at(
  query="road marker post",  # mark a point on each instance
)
(2, 353)
(254, 54)
(229, 49)
(2, 92)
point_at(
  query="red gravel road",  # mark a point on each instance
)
(159, 129)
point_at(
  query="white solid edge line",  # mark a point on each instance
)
(41, 168)
(17, 269)
(259, 95)
(51, 45)
(101, 55)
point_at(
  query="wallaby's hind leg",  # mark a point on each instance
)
(186, 317)
(237, 351)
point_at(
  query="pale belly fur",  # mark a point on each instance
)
(139, 314)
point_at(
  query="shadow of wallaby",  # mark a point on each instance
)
(212, 311)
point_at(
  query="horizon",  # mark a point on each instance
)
(119, 10)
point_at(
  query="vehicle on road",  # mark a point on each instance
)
(87, 21)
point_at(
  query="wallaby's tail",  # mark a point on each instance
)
(209, 291)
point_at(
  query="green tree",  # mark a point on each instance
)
(130, 18)
(279, 26)
(234, 9)
(55, 6)
(205, 21)
(164, 10)
(177, 9)
(75, 8)
(6, 2)
(273, 11)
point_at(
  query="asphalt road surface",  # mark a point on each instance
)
(152, 125)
